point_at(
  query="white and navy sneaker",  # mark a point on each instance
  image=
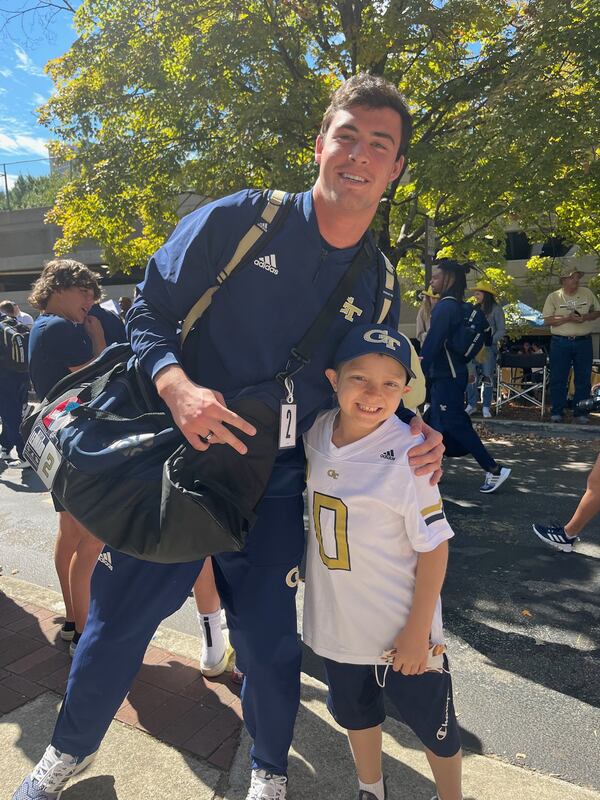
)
(267, 786)
(470, 409)
(50, 776)
(493, 482)
(5, 454)
(364, 795)
(486, 411)
(555, 536)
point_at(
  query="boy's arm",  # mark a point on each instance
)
(412, 643)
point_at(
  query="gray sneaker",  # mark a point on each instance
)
(50, 776)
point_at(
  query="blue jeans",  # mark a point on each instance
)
(485, 371)
(565, 353)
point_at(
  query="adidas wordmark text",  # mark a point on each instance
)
(267, 262)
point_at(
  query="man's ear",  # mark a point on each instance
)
(406, 389)
(398, 169)
(318, 148)
(332, 378)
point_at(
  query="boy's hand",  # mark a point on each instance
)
(427, 456)
(412, 650)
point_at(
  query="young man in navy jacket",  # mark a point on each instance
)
(238, 347)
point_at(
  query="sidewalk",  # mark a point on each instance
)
(179, 736)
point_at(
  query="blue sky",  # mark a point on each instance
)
(23, 86)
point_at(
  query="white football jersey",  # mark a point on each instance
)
(370, 516)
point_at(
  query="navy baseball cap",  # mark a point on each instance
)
(364, 339)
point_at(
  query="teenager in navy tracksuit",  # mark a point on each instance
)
(446, 372)
(239, 345)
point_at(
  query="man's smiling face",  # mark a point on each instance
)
(358, 157)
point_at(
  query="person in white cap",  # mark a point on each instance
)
(570, 311)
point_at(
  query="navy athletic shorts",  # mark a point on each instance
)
(424, 702)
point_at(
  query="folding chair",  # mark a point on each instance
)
(515, 386)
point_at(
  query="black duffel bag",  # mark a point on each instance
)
(160, 499)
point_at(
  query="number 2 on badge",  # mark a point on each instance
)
(287, 425)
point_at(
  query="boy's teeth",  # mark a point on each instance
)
(356, 178)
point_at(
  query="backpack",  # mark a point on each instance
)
(473, 332)
(14, 345)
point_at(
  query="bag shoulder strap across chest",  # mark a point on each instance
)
(268, 222)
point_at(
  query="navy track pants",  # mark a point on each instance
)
(258, 592)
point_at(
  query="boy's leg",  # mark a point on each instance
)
(258, 591)
(426, 705)
(366, 751)
(355, 701)
(129, 599)
(447, 774)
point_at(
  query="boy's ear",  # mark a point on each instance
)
(332, 378)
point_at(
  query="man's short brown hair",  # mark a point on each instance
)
(370, 91)
(61, 274)
(7, 307)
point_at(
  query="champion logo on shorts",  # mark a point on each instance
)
(389, 454)
(104, 558)
(267, 262)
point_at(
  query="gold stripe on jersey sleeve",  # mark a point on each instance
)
(430, 509)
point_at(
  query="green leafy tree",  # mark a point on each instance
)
(30, 191)
(157, 97)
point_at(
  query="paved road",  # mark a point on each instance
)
(523, 622)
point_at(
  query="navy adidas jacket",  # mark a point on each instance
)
(260, 313)
(437, 360)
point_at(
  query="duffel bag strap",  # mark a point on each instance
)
(270, 220)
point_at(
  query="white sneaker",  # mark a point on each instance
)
(4, 454)
(50, 776)
(266, 786)
(210, 669)
(493, 482)
(487, 414)
(470, 409)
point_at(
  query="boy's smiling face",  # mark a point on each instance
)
(369, 390)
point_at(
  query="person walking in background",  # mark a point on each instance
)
(570, 312)
(485, 296)
(14, 385)
(65, 338)
(446, 373)
(125, 304)
(428, 300)
(563, 537)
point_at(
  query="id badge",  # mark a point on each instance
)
(287, 425)
(42, 454)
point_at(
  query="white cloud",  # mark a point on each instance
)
(26, 64)
(23, 145)
(5, 72)
(38, 99)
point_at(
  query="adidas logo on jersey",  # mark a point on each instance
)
(389, 454)
(267, 262)
(104, 558)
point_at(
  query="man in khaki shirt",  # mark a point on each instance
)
(570, 311)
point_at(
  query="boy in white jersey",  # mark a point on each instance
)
(377, 555)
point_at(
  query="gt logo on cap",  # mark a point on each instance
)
(381, 337)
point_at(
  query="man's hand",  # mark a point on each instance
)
(198, 411)
(412, 650)
(93, 327)
(426, 457)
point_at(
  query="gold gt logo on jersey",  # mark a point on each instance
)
(381, 337)
(333, 474)
(349, 310)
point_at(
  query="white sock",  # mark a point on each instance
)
(213, 641)
(376, 789)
